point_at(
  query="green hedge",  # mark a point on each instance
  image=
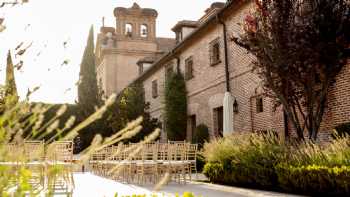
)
(314, 179)
(240, 174)
(265, 162)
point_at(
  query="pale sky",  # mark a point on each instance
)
(50, 23)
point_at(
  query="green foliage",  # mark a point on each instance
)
(215, 171)
(2, 99)
(89, 97)
(300, 48)
(200, 162)
(175, 107)
(129, 106)
(264, 161)
(201, 135)
(314, 179)
(248, 159)
(88, 94)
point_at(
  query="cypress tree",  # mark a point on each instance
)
(88, 97)
(175, 107)
(11, 95)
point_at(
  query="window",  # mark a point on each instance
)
(178, 36)
(169, 71)
(189, 68)
(259, 105)
(144, 31)
(215, 52)
(154, 89)
(128, 29)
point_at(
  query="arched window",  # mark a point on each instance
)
(144, 31)
(128, 29)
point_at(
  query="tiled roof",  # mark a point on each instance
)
(185, 23)
(165, 44)
(150, 59)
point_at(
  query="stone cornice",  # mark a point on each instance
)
(125, 52)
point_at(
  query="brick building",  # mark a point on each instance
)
(199, 52)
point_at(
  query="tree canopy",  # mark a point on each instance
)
(300, 47)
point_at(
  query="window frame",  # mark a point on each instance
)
(189, 68)
(215, 52)
(155, 88)
(259, 104)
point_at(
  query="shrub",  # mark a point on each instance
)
(214, 172)
(246, 159)
(314, 179)
(200, 162)
(201, 135)
(263, 161)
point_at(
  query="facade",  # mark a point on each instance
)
(200, 53)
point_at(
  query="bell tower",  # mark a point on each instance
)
(136, 23)
(119, 48)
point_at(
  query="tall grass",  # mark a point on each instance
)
(24, 121)
(267, 148)
(265, 161)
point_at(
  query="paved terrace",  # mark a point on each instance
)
(89, 185)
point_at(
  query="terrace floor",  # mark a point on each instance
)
(87, 184)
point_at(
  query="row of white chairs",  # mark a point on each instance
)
(41, 160)
(146, 163)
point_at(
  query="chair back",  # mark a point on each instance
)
(61, 151)
(34, 150)
(192, 152)
(13, 152)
